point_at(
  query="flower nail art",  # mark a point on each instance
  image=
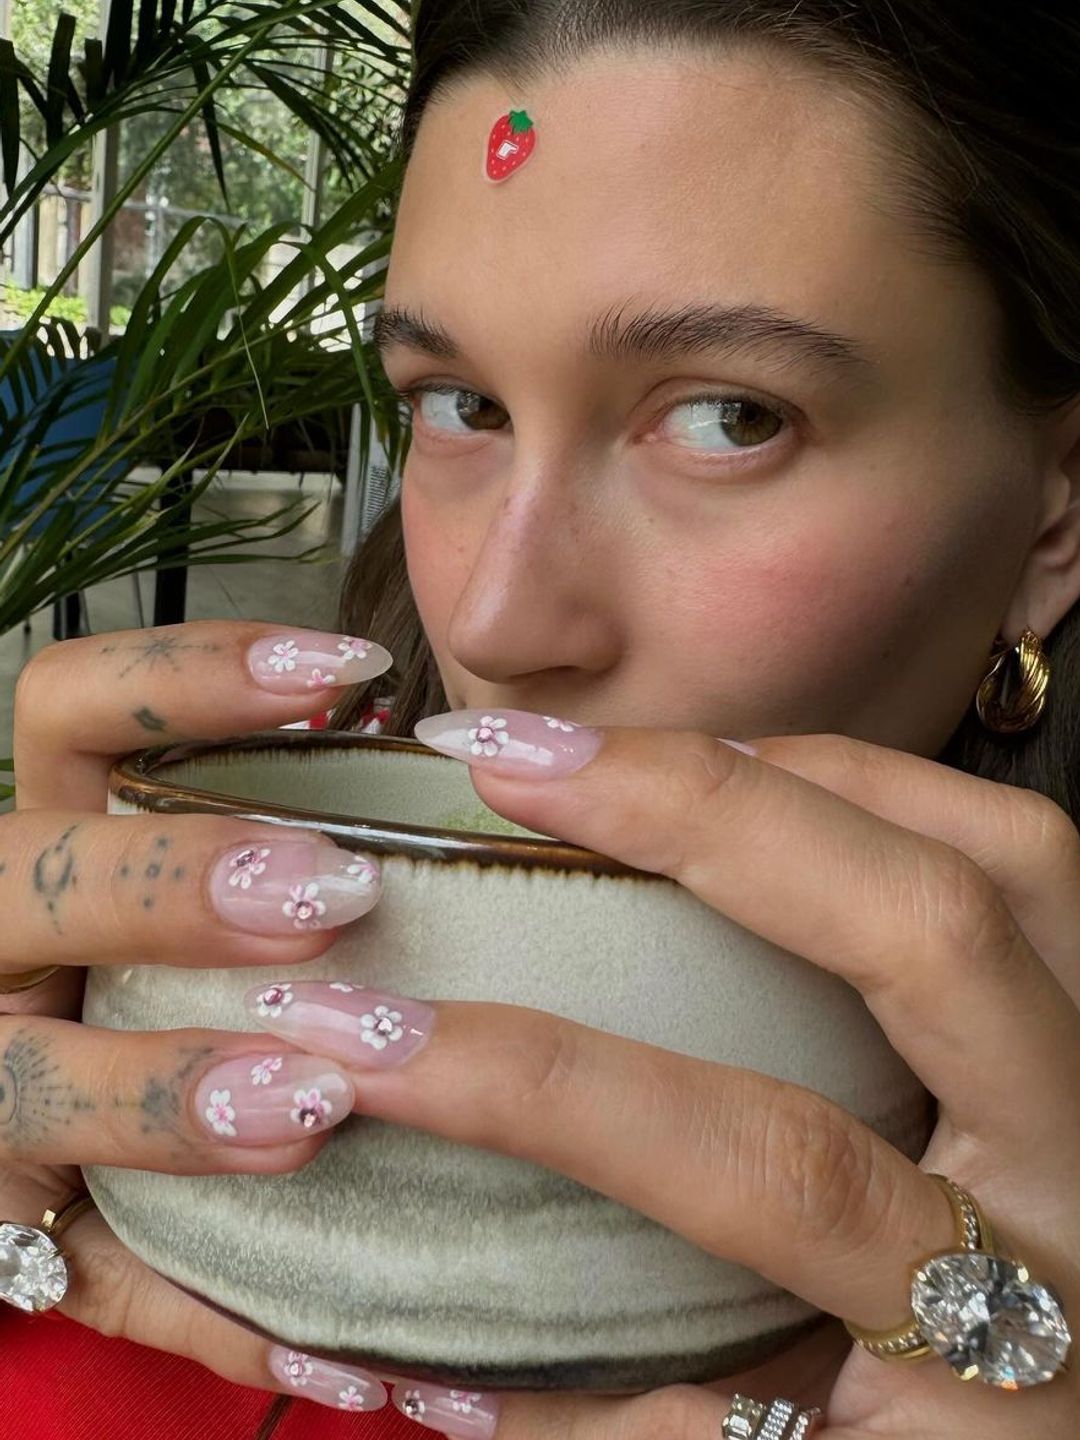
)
(312, 659)
(363, 1027)
(298, 1368)
(272, 1001)
(340, 1387)
(283, 656)
(272, 1099)
(382, 1028)
(304, 908)
(488, 736)
(311, 1108)
(353, 649)
(517, 742)
(247, 864)
(413, 1405)
(264, 1071)
(220, 1113)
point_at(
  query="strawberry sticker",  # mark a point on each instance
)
(511, 142)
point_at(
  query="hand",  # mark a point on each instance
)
(953, 905)
(81, 887)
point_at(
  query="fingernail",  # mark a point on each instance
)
(302, 660)
(372, 1029)
(289, 885)
(738, 745)
(460, 1413)
(342, 1387)
(513, 742)
(261, 1098)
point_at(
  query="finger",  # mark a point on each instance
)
(116, 1294)
(744, 1166)
(201, 680)
(1025, 843)
(912, 923)
(189, 1102)
(193, 890)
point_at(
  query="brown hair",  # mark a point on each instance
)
(979, 123)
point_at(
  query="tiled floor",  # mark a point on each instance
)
(273, 589)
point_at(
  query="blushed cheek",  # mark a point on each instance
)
(798, 637)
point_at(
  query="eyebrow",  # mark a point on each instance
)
(662, 335)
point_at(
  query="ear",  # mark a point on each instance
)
(1049, 584)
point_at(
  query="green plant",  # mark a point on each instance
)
(203, 346)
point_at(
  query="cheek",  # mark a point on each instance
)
(802, 624)
(436, 561)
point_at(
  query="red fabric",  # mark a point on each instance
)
(62, 1381)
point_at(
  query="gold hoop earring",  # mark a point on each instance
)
(1032, 676)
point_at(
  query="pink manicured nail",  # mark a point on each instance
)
(513, 742)
(303, 660)
(464, 1414)
(342, 1387)
(287, 886)
(738, 745)
(372, 1029)
(262, 1098)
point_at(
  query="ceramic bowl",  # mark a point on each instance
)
(400, 1250)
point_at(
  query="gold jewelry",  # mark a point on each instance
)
(905, 1342)
(957, 1299)
(1026, 705)
(36, 1276)
(25, 979)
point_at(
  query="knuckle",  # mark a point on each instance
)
(549, 1066)
(965, 919)
(1047, 833)
(815, 1166)
(32, 685)
(110, 1301)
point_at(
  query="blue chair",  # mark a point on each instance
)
(78, 388)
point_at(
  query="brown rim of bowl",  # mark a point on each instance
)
(132, 779)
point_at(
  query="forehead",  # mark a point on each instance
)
(675, 176)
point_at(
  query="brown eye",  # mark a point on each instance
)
(722, 423)
(455, 411)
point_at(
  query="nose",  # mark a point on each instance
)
(542, 593)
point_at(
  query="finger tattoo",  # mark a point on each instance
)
(34, 1097)
(55, 873)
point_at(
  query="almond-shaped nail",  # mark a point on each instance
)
(513, 742)
(263, 1098)
(363, 1028)
(286, 886)
(464, 1414)
(299, 661)
(341, 1387)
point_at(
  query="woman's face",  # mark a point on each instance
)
(705, 530)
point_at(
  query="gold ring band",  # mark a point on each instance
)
(905, 1341)
(25, 979)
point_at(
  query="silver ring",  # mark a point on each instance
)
(769, 1420)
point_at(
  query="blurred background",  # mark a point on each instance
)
(198, 199)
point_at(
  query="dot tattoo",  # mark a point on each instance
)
(148, 720)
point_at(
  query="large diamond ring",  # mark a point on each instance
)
(980, 1311)
(768, 1420)
(33, 1269)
